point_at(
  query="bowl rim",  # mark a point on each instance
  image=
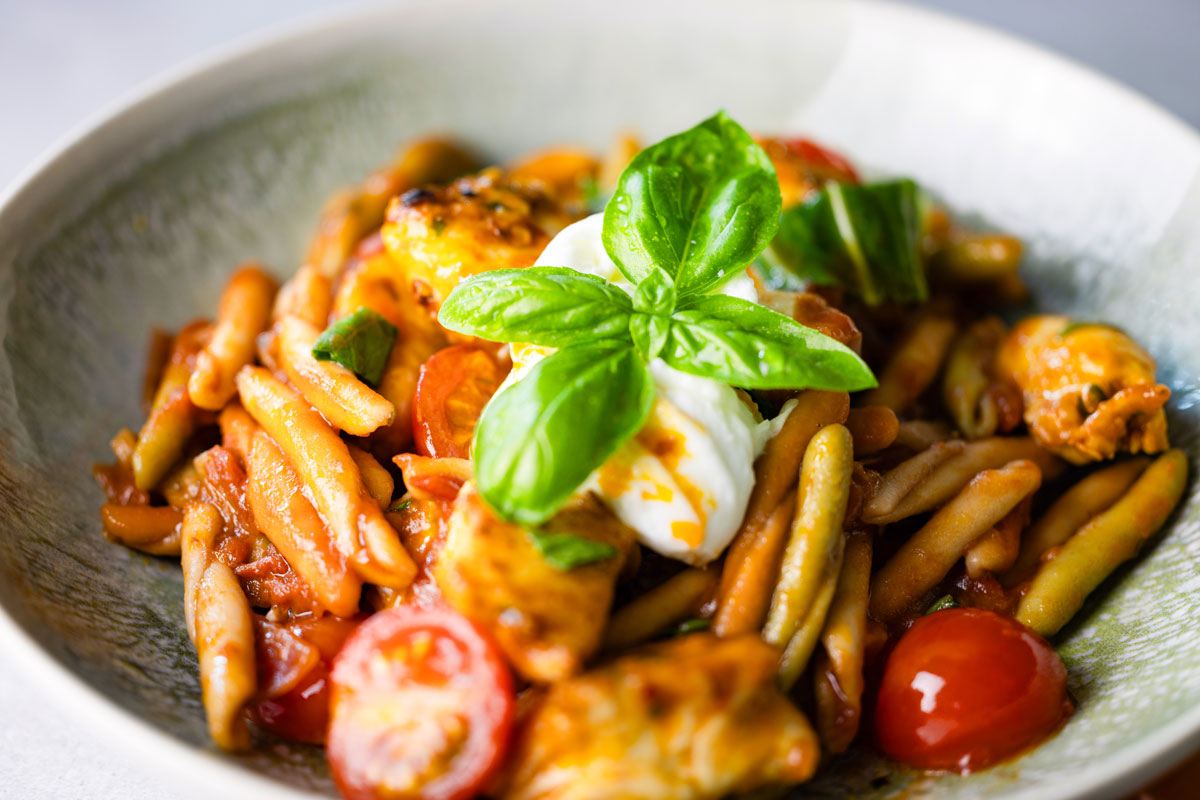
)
(214, 69)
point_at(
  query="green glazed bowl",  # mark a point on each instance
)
(137, 220)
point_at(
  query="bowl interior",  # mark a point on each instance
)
(138, 224)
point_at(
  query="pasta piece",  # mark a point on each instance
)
(183, 485)
(929, 479)
(873, 428)
(151, 529)
(677, 598)
(307, 296)
(321, 458)
(978, 404)
(566, 173)
(244, 312)
(752, 561)
(225, 649)
(1077, 505)
(237, 429)
(622, 151)
(332, 389)
(816, 539)
(914, 365)
(926, 558)
(800, 649)
(920, 434)
(289, 520)
(838, 684)
(378, 480)
(158, 352)
(172, 416)
(202, 524)
(996, 550)
(973, 258)
(428, 478)
(1067, 576)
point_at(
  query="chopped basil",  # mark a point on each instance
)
(566, 551)
(400, 505)
(360, 342)
(693, 625)
(943, 602)
(864, 238)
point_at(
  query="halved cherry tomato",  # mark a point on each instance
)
(964, 688)
(823, 161)
(422, 707)
(454, 386)
(293, 673)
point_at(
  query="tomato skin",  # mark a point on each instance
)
(452, 389)
(423, 707)
(301, 714)
(964, 688)
(824, 161)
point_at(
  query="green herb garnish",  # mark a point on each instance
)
(566, 551)
(688, 214)
(400, 505)
(943, 602)
(693, 625)
(360, 342)
(866, 239)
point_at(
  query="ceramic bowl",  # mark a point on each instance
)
(135, 222)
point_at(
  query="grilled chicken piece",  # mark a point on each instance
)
(692, 718)
(1089, 390)
(441, 235)
(548, 621)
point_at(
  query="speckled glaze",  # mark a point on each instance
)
(137, 222)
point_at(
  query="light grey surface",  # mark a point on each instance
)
(61, 61)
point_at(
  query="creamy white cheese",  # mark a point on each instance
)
(682, 483)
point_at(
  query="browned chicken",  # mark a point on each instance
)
(692, 718)
(548, 621)
(1089, 390)
(441, 235)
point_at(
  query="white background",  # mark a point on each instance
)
(62, 61)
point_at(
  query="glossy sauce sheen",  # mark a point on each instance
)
(965, 688)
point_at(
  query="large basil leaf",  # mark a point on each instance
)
(700, 205)
(865, 238)
(541, 437)
(747, 345)
(549, 306)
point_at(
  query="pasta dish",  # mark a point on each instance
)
(665, 473)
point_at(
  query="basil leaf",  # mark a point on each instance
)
(655, 294)
(548, 306)
(649, 334)
(700, 205)
(566, 551)
(541, 437)
(865, 238)
(748, 345)
(693, 625)
(360, 342)
(943, 602)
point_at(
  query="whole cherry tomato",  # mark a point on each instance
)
(422, 707)
(964, 688)
(454, 386)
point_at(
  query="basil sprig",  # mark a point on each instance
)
(688, 214)
(864, 238)
(360, 341)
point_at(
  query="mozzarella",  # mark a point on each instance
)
(682, 483)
